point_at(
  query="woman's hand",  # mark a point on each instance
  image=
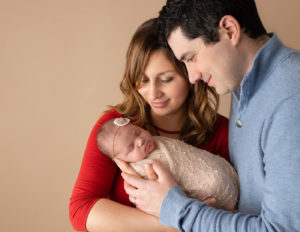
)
(125, 167)
(148, 195)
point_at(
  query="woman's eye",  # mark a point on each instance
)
(166, 80)
(144, 80)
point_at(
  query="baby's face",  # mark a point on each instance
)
(133, 143)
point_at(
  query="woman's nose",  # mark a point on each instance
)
(155, 92)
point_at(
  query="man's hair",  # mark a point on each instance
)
(200, 18)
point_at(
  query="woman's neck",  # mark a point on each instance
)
(169, 124)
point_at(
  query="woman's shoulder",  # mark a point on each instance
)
(217, 142)
(108, 115)
(222, 124)
(222, 120)
(221, 128)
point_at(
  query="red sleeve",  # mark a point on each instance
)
(218, 142)
(98, 178)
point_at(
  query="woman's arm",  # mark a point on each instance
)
(99, 179)
(107, 215)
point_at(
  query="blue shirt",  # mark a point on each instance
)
(264, 138)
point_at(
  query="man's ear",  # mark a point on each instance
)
(230, 29)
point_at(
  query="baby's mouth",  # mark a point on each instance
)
(149, 147)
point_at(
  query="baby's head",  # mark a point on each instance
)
(118, 138)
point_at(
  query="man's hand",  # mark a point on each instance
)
(148, 195)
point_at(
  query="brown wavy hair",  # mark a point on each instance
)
(202, 101)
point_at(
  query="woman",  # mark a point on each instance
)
(159, 98)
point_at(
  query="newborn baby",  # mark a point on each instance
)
(200, 174)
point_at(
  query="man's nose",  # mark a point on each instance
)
(194, 74)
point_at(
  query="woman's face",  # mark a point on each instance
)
(162, 87)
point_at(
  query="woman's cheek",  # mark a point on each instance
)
(142, 92)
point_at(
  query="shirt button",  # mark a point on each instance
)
(239, 123)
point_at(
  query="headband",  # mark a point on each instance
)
(120, 122)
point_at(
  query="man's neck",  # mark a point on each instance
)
(251, 48)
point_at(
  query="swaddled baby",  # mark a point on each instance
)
(200, 174)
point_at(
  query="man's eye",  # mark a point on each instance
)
(189, 59)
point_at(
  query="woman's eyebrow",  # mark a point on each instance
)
(164, 72)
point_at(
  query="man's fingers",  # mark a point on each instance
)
(150, 173)
(125, 167)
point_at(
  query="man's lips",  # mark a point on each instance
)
(208, 81)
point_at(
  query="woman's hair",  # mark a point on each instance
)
(200, 18)
(202, 101)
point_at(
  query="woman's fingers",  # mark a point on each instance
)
(150, 173)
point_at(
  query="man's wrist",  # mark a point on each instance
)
(171, 206)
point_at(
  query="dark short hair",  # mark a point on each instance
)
(200, 18)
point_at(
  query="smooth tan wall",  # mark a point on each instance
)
(60, 64)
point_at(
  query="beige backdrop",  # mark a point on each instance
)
(60, 64)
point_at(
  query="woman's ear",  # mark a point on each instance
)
(230, 29)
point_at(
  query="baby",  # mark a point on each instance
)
(199, 173)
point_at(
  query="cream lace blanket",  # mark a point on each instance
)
(199, 173)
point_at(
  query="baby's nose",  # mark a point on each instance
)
(140, 142)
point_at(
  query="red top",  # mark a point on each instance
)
(99, 177)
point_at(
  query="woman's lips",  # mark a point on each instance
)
(159, 104)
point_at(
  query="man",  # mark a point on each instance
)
(224, 43)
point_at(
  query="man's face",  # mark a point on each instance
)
(216, 64)
(133, 143)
